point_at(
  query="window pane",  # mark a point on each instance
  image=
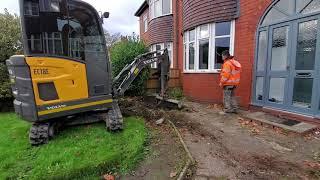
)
(169, 47)
(302, 92)
(185, 56)
(185, 37)
(223, 28)
(40, 30)
(273, 15)
(276, 91)
(191, 56)
(287, 6)
(157, 7)
(204, 31)
(301, 4)
(192, 35)
(222, 44)
(84, 26)
(58, 47)
(166, 6)
(31, 8)
(279, 49)
(204, 54)
(262, 51)
(152, 10)
(306, 48)
(55, 7)
(145, 25)
(314, 6)
(259, 88)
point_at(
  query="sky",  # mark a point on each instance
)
(121, 18)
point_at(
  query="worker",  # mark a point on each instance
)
(230, 79)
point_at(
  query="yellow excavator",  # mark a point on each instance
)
(64, 76)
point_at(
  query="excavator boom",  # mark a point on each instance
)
(123, 80)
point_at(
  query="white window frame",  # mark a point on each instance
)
(32, 42)
(30, 5)
(145, 22)
(170, 51)
(51, 37)
(153, 9)
(212, 39)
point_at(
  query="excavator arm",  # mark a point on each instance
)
(128, 74)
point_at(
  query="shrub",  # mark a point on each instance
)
(176, 93)
(123, 53)
(9, 45)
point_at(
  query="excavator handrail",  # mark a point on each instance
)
(127, 75)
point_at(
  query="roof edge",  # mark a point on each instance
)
(141, 9)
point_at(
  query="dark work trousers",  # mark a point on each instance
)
(229, 100)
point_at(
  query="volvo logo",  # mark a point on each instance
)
(149, 61)
(56, 107)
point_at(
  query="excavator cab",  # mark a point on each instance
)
(65, 67)
(65, 70)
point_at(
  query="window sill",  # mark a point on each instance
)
(161, 16)
(202, 72)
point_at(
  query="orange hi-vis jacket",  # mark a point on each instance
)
(230, 73)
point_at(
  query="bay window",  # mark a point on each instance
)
(204, 45)
(161, 46)
(160, 8)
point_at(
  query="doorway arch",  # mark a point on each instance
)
(287, 60)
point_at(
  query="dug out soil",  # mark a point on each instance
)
(230, 147)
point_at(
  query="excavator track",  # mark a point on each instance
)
(41, 133)
(114, 120)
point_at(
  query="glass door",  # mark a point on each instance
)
(279, 53)
(303, 83)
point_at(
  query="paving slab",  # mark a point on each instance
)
(299, 127)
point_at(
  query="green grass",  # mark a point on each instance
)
(84, 152)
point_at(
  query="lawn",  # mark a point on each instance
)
(84, 152)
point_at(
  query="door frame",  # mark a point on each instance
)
(314, 110)
(277, 74)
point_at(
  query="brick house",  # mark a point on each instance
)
(275, 41)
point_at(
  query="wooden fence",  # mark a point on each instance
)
(153, 83)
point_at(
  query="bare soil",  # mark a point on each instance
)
(165, 156)
(230, 147)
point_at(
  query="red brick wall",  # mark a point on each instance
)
(204, 87)
(245, 43)
(177, 37)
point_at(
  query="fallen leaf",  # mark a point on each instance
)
(108, 177)
(315, 165)
(240, 119)
(173, 174)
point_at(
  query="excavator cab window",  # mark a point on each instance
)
(62, 28)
